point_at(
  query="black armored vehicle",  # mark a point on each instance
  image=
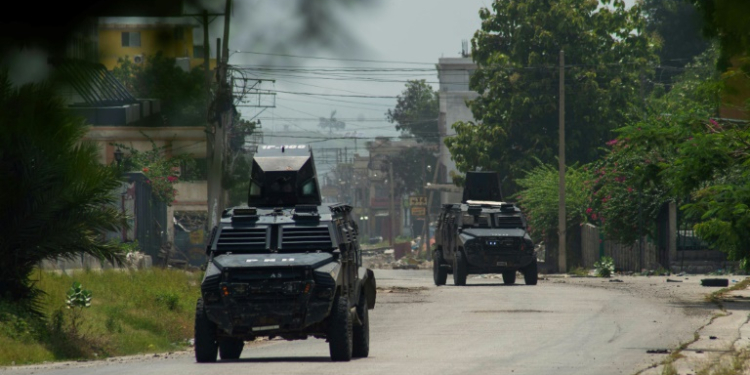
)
(284, 266)
(483, 234)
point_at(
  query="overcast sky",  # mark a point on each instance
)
(412, 34)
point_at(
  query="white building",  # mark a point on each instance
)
(453, 74)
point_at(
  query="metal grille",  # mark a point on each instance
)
(242, 239)
(305, 238)
(509, 222)
(502, 245)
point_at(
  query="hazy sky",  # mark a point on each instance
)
(412, 33)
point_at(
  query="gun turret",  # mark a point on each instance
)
(283, 176)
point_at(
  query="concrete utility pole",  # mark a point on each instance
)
(392, 212)
(222, 108)
(561, 227)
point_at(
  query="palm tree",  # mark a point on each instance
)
(55, 199)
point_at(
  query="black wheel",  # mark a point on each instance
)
(361, 333)
(206, 346)
(509, 277)
(531, 274)
(439, 273)
(230, 348)
(459, 269)
(340, 330)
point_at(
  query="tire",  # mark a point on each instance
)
(459, 269)
(361, 333)
(531, 274)
(206, 346)
(230, 348)
(509, 277)
(439, 273)
(340, 340)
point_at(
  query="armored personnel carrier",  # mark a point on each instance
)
(483, 234)
(284, 266)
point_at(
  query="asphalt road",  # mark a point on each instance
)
(555, 327)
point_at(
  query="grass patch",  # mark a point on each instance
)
(579, 271)
(131, 312)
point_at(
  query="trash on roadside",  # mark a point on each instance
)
(657, 351)
(615, 281)
(673, 281)
(712, 337)
(715, 282)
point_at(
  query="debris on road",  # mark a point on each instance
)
(673, 281)
(615, 281)
(658, 351)
(715, 282)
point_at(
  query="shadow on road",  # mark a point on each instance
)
(278, 359)
(491, 284)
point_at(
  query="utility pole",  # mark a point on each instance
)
(223, 112)
(642, 251)
(561, 227)
(392, 212)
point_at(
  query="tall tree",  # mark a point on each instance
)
(676, 25)
(416, 112)
(516, 51)
(55, 196)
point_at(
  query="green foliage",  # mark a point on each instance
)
(169, 299)
(517, 52)
(604, 267)
(182, 94)
(410, 171)
(676, 25)
(704, 158)
(55, 199)
(416, 112)
(539, 197)
(77, 297)
(130, 247)
(162, 172)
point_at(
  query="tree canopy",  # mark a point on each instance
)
(416, 112)
(517, 56)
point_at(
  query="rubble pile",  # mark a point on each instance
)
(385, 259)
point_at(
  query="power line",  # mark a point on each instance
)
(332, 58)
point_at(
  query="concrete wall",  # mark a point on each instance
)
(85, 261)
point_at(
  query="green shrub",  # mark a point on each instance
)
(605, 267)
(169, 299)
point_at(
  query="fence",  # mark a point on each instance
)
(626, 258)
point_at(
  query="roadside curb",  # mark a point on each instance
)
(717, 345)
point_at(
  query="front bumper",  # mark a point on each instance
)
(490, 259)
(272, 309)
